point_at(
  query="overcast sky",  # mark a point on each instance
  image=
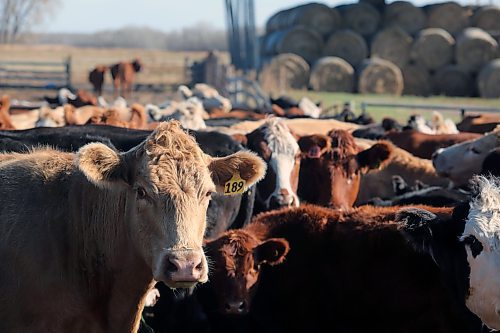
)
(166, 15)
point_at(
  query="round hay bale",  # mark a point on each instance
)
(348, 45)
(360, 17)
(332, 74)
(452, 80)
(406, 16)
(417, 81)
(433, 48)
(392, 44)
(379, 76)
(285, 71)
(300, 40)
(449, 16)
(475, 47)
(315, 16)
(487, 18)
(488, 80)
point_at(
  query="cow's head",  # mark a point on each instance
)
(465, 247)
(165, 185)
(332, 165)
(237, 257)
(137, 64)
(274, 142)
(461, 161)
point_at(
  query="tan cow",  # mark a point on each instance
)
(84, 236)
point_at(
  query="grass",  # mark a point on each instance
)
(168, 68)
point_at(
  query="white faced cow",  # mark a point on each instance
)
(84, 236)
(465, 247)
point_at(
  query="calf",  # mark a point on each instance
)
(424, 145)
(331, 167)
(461, 161)
(118, 222)
(307, 268)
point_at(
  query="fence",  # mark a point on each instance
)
(461, 108)
(35, 75)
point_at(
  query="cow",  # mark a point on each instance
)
(461, 161)
(123, 75)
(465, 248)
(331, 167)
(5, 121)
(307, 268)
(378, 183)
(491, 163)
(96, 78)
(98, 228)
(481, 123)
(66, 96)
(274, 143)
(424, 145)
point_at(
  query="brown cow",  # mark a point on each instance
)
(96, 78)
(5, 121)
(350, 271)
(123, 74)
(331, 167)
(424, 145)
(479, 123)
(86, 235)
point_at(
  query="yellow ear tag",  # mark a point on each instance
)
(235, 185)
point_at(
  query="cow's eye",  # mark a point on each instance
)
(141, 193)
(475, 246)
(209, 194)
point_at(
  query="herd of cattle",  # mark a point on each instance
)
(118, 218)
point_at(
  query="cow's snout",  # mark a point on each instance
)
(184, 269)
(236, 307)
(282, 199)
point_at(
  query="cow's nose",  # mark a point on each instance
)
(186, 268)
(236, 307)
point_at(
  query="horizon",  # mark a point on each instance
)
(181, 15)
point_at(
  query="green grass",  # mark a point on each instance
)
(401, 114)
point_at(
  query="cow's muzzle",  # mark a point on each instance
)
(185, 268)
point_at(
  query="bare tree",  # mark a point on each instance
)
(17, 16)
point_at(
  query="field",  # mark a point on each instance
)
(168, 68)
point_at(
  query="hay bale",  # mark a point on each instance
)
(433, 48)
(475, 47)
(452, 80)
(360, 17)
(348, 45)
(487, 18)
(488, 80)
(283, 72)
(332, 74)
(315, 16)
(392, 44)
(449, 16)
(300, 40)
(406, 16)
(379, 76)
(417, 80)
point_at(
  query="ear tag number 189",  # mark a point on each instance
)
(235, 185)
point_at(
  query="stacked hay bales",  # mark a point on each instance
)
(443, 48)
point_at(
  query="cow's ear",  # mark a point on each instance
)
(375, 157)
(416, 226)
(245, 164)
(100, 163)
(272, 251)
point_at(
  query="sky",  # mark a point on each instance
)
(86, 16)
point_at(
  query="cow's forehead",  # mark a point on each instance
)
(483, 220)
(279, 138)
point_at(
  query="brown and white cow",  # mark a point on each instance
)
(461, 161)
(332, 165)
(86, 235)
(275, 143)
